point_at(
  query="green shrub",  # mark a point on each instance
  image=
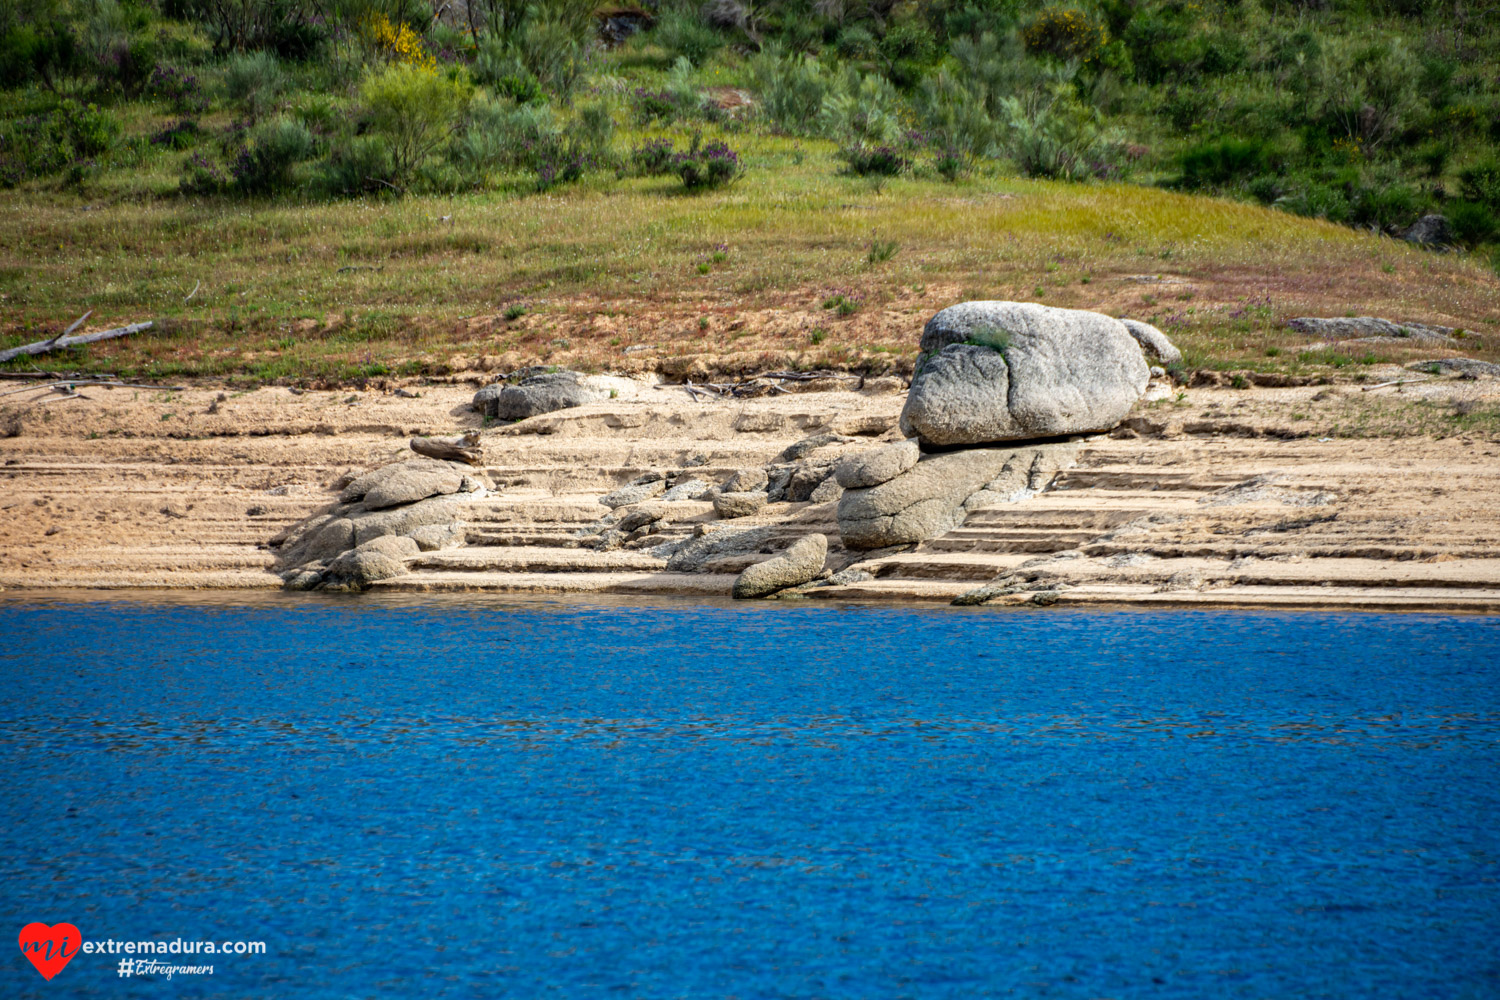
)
(358, 165)
(683, 34)
(1481, 183)
(272, 152)
(255, 80)
(43, 145)
(1473, 222)
(44, 51)
(653, 158)
(1058, 136)
(1067, 33)
(1225, 161)
(415, 109)
(791, 89)
(543, 53)
(497, 136)
(954, 119)
(864, 112)
(707, 166)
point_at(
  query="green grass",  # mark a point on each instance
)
(322, 289)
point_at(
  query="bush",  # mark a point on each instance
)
(42, 51)
(360, 165)
(1481, 183)
(497, 136)
(255, 80)
(44, 145)
(653, 158)
(177, 88)
(1225, 161)
(791, 88)
(873, 161)
(272, 151)
(541, 54)
(200, 175)
(1067, 33)
(710, 166)
(1473, 222)
(182, 135)
(954, 119)
(682, 34)
(415, 109)
(865, 111)
(1058, 136)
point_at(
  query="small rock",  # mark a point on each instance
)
(1338, 328)
(742, 504)
(641, 515)
(799, 489)
(811, 444)
(307, 579)
(847, 576)
(797, 565)
(436, 537)
(827, 491)
(627, 495)
(883, 385)
(745, 481)
(692, 489)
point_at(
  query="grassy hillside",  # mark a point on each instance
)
(369, 190)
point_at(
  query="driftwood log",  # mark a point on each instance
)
(43, 346)
(463, 448)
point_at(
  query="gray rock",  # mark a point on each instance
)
(1429, 231)
(797, 565)
(307, 579)
(692, 489)
(809, 445)
(1466, 366)
(689, 556)
(329, 538)
(627, 495)
(537, 395)
(1009, 371)
(1155, 343)
(409, 481)
(641, 515)
(403, 520)
(799, 489)
(745, 481)
(378, 559)
(485, 399)
(871, 468)
(437, 537)
(744, 504)
(990, 591)
(827, 491)
(844, 577)
(778, 478)
(1358, 327)
(928, 499)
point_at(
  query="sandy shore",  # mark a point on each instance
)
(1222, 496)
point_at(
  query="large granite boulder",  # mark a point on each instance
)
(1012, 371)
(410, 481)
(739, 504)
(539, 394)
(879, 465)
(928, 499)
(797, 565)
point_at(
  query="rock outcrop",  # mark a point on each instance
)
(1432, 231)
(993, 372)
(547, 392)
(1155, 343)
(797, 565)
(1365, 327)
(381, 518)
(739, 504)
(930, 498)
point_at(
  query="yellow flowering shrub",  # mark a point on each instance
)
(398, 42)
(1067, 33)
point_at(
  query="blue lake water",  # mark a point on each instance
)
(521, 798)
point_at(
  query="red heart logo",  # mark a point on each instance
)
(50, 948)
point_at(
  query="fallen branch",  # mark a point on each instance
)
(193, 292)
(463, 448)
(1399, 381)
(70, 384)
(43, 346)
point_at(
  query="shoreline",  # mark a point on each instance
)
(1221, 498)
